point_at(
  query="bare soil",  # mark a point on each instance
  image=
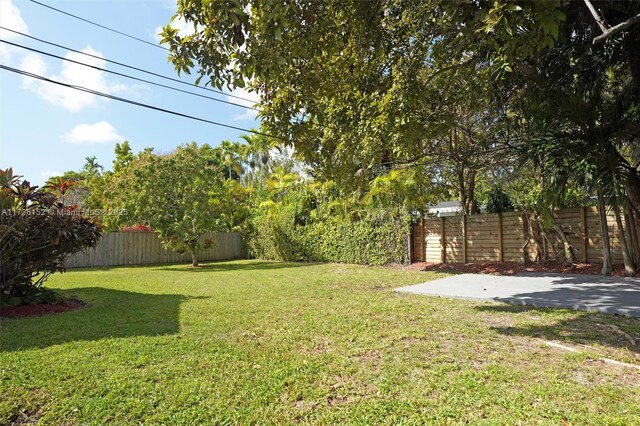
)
(40, 309)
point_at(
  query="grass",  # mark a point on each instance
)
(262, 342)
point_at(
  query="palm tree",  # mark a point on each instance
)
(258, 154)
(91, 167)
(583, 143)
(232, 158)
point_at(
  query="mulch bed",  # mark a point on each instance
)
(40, 309)
(511, 268)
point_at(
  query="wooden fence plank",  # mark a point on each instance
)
(144, 248)
(501, 237)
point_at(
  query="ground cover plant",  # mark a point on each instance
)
(254, 341)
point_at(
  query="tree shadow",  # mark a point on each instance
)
(223, 266)
(611, 295)
(610, 305)
(584, 328)
(108, 314)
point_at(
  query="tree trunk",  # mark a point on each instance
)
(532, 233)
(462, 193)
(549, 249)
(471, 193)
(569, 256)
(626, 257)
(633, 232)
(633, 189)
(194, 259)
(607, 266)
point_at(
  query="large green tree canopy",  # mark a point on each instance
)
(360, 87)
(358, 83)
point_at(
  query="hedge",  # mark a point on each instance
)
(377, 239)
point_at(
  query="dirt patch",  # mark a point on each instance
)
(40, 309)
(511, 268)
(319, 347)
(27, 418)
(371, 355)
(498, 320)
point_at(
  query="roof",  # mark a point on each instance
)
(445, 205)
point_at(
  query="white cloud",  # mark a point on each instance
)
(101, 132)
(253, 98)
(10, 17)
(70, 73)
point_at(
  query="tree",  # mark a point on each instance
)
(232, 205)
(344, 77)
(362, 87)
(92, 168)
(258, 155)
(124, 157)
(230, 156)
(498, 201)
(175, 194)
(582, 101)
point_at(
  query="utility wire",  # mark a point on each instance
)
(125, 65)
(124, 75)
(100, 25)
(129, 101)
(125, 35)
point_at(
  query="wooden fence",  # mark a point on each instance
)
(505, 237)
(143, 248)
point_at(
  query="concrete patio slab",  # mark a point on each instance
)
(613, 295)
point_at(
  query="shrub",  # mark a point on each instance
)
(376, 239)
(499, 201)
(37, 233)
(136, 228)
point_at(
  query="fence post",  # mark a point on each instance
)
(443, 247)
(500, 248)
(464, 238)
(411, 248)
(585, 238)
(423, 243)
(525, 237)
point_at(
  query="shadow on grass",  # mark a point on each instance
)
(584, 328)
(607, 309)
(109, 314)
(227, 266)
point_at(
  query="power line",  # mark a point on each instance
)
(125, 65)
(100, 25)
(129, 101)
(124, 75)
(60, 46)
(125, 35)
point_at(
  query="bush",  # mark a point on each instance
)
(499, 201)
(136, 228)
(37, 233)
(376, 239)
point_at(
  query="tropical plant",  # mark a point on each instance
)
(37, 233)
(498, 201)
(136, 228)
(92, 168)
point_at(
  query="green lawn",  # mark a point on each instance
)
(261, 342)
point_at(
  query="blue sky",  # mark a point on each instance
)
(46, 129)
